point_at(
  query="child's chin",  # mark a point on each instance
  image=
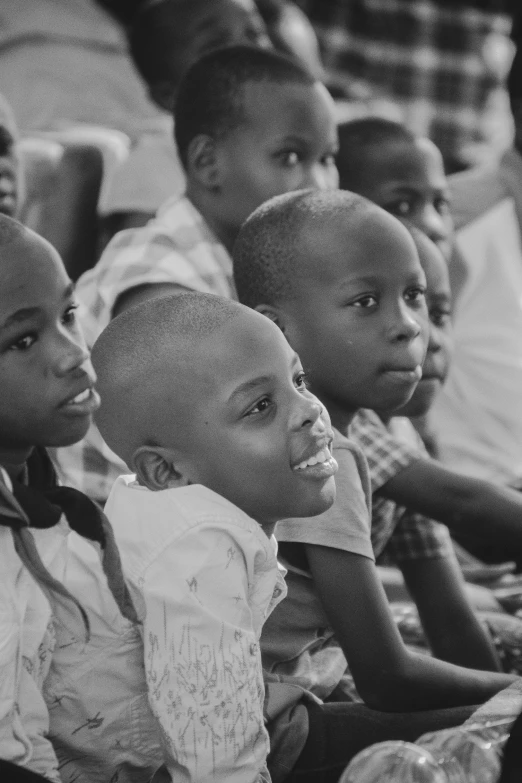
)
(71, 435)
(323, 501)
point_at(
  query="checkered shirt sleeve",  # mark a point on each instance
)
(405, 535)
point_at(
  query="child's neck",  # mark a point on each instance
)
(226, 235)
(14, 460)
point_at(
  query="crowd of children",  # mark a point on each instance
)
(193, 518)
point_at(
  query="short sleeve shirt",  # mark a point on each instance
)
(406, 535)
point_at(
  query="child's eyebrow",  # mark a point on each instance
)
(24, 314)
(250, 385)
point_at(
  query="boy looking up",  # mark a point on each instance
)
(48, 397)
(343, 281)
(207, 401)
(250, 124)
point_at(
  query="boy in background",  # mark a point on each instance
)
(343, 281)
(250, 124)
(165, 39)
(206, 400)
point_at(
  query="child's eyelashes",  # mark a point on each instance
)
(24, 342)
(416, 295)
(289, 158)
(261, 406)
(365, 302)
(300, 381)
(69, 316)
(440, 318)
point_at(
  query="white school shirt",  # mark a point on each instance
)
(185, 688)
(26, 646)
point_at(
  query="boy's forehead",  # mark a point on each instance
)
(293, 107)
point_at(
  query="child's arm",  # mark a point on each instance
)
(388, 676)
(449, 622)
(202, 660)
(460, 502)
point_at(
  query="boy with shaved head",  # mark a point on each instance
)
(206, 400)
(343, 281)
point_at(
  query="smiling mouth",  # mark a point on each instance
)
(320, 465)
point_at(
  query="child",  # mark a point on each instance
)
(206, 400)
(48, 396)
(342, 280)
(249, 124)
(402, 173)
(165, 39)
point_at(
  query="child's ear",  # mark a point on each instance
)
(156, 468)
(274, 314)
(202, 161)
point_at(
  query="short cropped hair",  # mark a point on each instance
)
(210, 96)
(137, 342)
(12, 230)
(268, 250)
(358, 135)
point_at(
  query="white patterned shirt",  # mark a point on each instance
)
(184, 689)
(26, 647)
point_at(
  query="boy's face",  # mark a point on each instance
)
(408, 180)
(440, 345)
(287, 142)
(46, 378)
(214, 24)
(358, 317)
(250, 422)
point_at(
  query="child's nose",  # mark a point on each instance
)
(433, 224)
(318, 178)
(71, 353)
(404, 325)
(307, 411)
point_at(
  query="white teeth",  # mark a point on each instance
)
(84, 395)
(321, 456)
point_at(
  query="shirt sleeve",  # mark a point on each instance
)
(418, 538)
(385, 453)
(346, 525)
(202, 659)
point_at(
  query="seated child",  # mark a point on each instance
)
(48, 396)
(165, 39)
(250, 124)
(343, 281)
(206, 400)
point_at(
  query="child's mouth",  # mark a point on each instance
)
(319, 465)
(85, 402)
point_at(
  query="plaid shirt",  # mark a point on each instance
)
(406, 536)
(436, 60)
(176, 247)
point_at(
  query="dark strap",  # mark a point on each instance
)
(512, 761)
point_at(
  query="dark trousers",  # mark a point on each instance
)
(338, 731)
(12, 773)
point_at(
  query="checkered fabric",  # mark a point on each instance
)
(405, 535)
(433, 58)
(176, 247)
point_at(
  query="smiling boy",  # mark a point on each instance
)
(207, 401)
(249, 124)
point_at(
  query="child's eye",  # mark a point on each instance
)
(366, 301)
(328, 160)
(401, 208)
(23, 343)
(440, 318)
(442, 205)
(289, 158)
(69, 317)
(300, 381)
(260, 407)
(415, 295)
